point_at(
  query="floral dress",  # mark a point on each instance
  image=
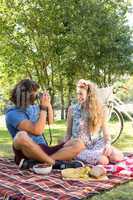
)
(94, 142)
(94, 145)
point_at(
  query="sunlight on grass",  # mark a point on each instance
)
(125, 142)
(5, 144)
(123, 192)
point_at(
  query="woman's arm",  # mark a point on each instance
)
(105, 128)
(69, 124)
(106, 135)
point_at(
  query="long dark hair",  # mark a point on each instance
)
(22, 95)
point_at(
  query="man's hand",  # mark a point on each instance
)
(46, 105)
(45, 100)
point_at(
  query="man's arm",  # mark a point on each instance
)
(34, 128)
(38, 127)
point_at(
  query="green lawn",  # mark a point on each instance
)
(122, 192)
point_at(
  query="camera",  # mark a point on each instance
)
(39, 95)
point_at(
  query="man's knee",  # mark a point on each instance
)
(21, 139)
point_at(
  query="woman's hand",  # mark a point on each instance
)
(108, 149)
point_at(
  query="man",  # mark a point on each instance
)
(26, 122)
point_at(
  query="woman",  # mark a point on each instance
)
(87, 120)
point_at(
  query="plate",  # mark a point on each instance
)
(42, 169)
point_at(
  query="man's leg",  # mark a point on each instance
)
(72, 142)
(69, 151)
(30, 149)
(33, 151)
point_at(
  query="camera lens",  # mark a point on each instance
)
(39, 95)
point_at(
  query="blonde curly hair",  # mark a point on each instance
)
(93, 105)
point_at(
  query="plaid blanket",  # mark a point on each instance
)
(24, 185)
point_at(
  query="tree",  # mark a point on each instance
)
(58, 42)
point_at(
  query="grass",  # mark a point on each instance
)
(122, 192)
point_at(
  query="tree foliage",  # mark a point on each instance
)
(57, 42)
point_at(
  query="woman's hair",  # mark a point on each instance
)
(22, 94)
(93, 105)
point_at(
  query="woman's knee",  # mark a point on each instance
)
(116, 155)
(103, 160)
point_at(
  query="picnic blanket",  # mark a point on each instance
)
(16, 184)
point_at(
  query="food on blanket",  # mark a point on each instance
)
(81, 172)
(85, 173)
(42, 168)
(97, 171)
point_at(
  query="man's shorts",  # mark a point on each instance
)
(48, 150)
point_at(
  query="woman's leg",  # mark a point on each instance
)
(92, 157)
(103, 160)
(116, 155)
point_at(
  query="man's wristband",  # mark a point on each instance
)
(44, 108)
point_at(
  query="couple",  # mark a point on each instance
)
(26, 123)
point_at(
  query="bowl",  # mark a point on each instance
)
(42, 169)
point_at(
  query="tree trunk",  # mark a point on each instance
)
(62, 97)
